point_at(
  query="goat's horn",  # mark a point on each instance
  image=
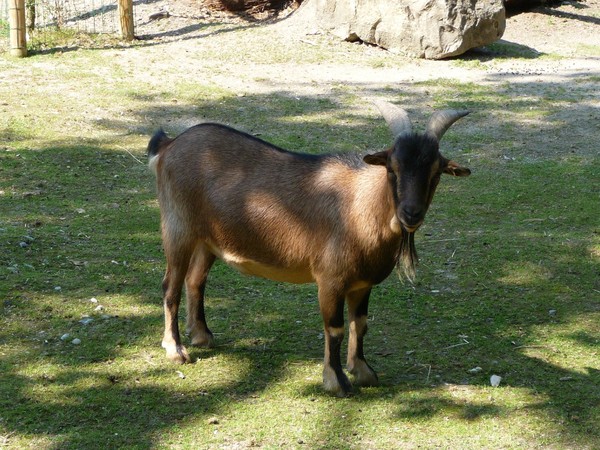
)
(396, 118)
(441, 120)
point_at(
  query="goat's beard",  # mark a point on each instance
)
(407, 259)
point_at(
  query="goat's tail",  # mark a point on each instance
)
(156, 144)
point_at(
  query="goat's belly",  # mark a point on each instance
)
(257, 269)
(273, 273)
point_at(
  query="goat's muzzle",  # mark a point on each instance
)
(411, 218)
(411, 227)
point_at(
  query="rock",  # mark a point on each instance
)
(432, 29)
(495, 380)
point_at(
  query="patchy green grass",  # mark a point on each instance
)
(52, 40)
(508, 281)
(588, 50)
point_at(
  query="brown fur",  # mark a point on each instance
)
(279, 215)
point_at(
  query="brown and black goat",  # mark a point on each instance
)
(341, 221)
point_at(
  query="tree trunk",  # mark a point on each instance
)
(126, 19)
(18, 37)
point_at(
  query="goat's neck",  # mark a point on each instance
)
(374, 204)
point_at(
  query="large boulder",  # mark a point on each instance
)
(432, 29)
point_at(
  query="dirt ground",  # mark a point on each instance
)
(548, 48)
(542, 51)
(569, 29)
(557, 42)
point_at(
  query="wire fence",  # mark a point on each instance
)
(85, 16)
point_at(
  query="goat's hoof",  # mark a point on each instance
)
(366, 380)
(363, 374)
(178, 354)
(336, 384)
(203, 340)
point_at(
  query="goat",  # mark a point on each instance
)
(341, 221)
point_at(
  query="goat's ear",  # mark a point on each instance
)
(452, 168)
(377, 159)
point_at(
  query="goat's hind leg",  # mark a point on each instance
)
(195, 285)
(172, 287)
(358, 304)
(178, 260)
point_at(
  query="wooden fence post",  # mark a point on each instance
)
(18, 36)
(126, 18)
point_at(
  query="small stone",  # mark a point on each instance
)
(159, 15)
(93, 300)
(76, 341)
(552, 312)
(475, 370)
(99, 308)
(495, 380)
(65, 336)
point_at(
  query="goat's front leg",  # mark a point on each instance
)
(331, 302)
(358, 305)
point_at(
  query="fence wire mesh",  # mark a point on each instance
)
(85, 16)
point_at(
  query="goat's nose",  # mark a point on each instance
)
(412, 213)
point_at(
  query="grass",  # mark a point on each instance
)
(508, 279)
(588, 50)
